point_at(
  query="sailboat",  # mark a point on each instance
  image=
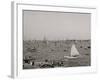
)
(74, 52)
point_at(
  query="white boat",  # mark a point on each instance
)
(74, 53)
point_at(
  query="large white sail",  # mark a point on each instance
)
(74, 51)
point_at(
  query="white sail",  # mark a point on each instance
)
(74, 51)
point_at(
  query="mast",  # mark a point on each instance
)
(45, 41)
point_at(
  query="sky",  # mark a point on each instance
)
(56, 25)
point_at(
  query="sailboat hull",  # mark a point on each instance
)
(71, 57)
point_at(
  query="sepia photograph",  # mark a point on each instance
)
(54, 39)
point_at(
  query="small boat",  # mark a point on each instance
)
(74, 53)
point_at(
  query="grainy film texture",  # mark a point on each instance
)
(56, 39)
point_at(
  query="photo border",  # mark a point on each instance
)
(17, 37)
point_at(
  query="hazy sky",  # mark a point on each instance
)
(55, 25)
